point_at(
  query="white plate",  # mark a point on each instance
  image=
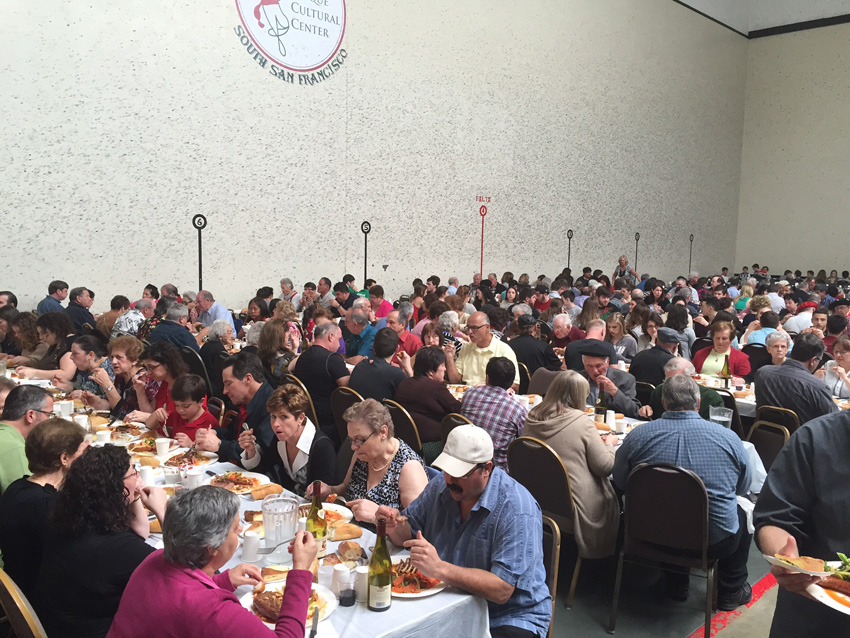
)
(262, 477)
(792, 568)
(247, 600)
(423, 594)
(346, 513)
(212, 456)
(820, 594)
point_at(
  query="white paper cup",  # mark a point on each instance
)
(339, 570)
(194, 478)
(610, 418)
(66, 408)
(82, 420)
(103, 436)
(523, 400)
(162, 446)
(147, 475)
(302, 524)
(361, 584)
(326, 575)
(250, 547)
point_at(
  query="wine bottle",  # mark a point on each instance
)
(601, 407)
(380, 572)
(724, 373)
(317, 525)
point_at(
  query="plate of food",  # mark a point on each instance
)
(147, 446)
(834, 590)
(802, 565)
(191, 457)
(409, 582)
(133, 428)
(239, 482)
(266, 603)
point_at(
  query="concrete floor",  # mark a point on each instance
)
(644, 609)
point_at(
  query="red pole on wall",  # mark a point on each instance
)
(483, 212)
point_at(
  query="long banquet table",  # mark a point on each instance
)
(451, 612)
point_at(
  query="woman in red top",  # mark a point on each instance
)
(710, 360)
(162, 364)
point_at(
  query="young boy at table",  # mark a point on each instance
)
(190, 413)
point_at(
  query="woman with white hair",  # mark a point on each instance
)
(177, 591)
(560, 421)
(219, 339)
(778, 343)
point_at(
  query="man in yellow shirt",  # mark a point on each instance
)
(471, 364)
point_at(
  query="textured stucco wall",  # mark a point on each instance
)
(122, 119)
(795, 192)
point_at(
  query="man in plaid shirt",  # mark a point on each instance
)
(495, 409)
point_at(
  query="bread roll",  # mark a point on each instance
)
(150, 461)
(262, 491)
(349, 550)
(602, 426)
(346, 531)
(274, 573)
(98, 420)
(156, 527)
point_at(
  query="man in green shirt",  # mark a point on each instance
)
(708, 398)
(26, 406)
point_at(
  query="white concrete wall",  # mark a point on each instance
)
(122, 119)
(795, 191)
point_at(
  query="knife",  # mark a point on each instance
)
(211, 473)
(315, 624)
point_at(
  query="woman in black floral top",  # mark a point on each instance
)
(383, 471)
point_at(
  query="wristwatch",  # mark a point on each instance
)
(110, 388)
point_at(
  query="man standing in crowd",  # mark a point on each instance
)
(471, 364)
(322, 370)
(57, 292)
(78, 308)
(615, 387)
(477, 529)
(128, 323)
(246, 386)
(804, 510)
(210, 310)
(495, 409)
(793, 386)
(717, 456)
(26, 406)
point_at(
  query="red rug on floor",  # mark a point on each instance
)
(722, 618)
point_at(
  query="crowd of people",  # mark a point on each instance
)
(63, 501)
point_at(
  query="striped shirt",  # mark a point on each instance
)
(503, 534)
(713, 452)
(498, 412)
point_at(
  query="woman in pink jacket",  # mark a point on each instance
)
(176, 592)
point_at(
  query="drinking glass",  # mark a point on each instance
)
(721, 416)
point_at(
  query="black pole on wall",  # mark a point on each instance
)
(569, 245)
(200, 222)
(365, 228)
(690, 253)
(637, 239)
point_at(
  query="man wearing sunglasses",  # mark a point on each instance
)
(471, 365)
(26, 406)
(477, 529)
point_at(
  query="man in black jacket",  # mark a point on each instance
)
(245, 385)
(78, 308)
(648, 365)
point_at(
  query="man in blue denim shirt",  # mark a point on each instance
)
(477, 529)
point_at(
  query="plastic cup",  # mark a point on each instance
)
(103, 436)
(147, 475)
(82, 420)
(194, 478)
(171, 474)
(66, 408)
(162, 446)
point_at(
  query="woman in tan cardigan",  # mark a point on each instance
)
(560, 421)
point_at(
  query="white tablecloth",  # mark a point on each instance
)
(448, 613)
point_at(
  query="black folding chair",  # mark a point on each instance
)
(196, 366)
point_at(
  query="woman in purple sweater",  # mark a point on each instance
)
(176, 592)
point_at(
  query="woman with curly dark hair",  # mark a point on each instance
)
(56, 330)
(162, 364)
(26, 335)
(97, 541)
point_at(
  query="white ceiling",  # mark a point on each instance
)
(753, 15)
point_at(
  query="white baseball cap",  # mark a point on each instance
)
(466, 447)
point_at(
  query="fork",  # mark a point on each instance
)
(269, 550)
